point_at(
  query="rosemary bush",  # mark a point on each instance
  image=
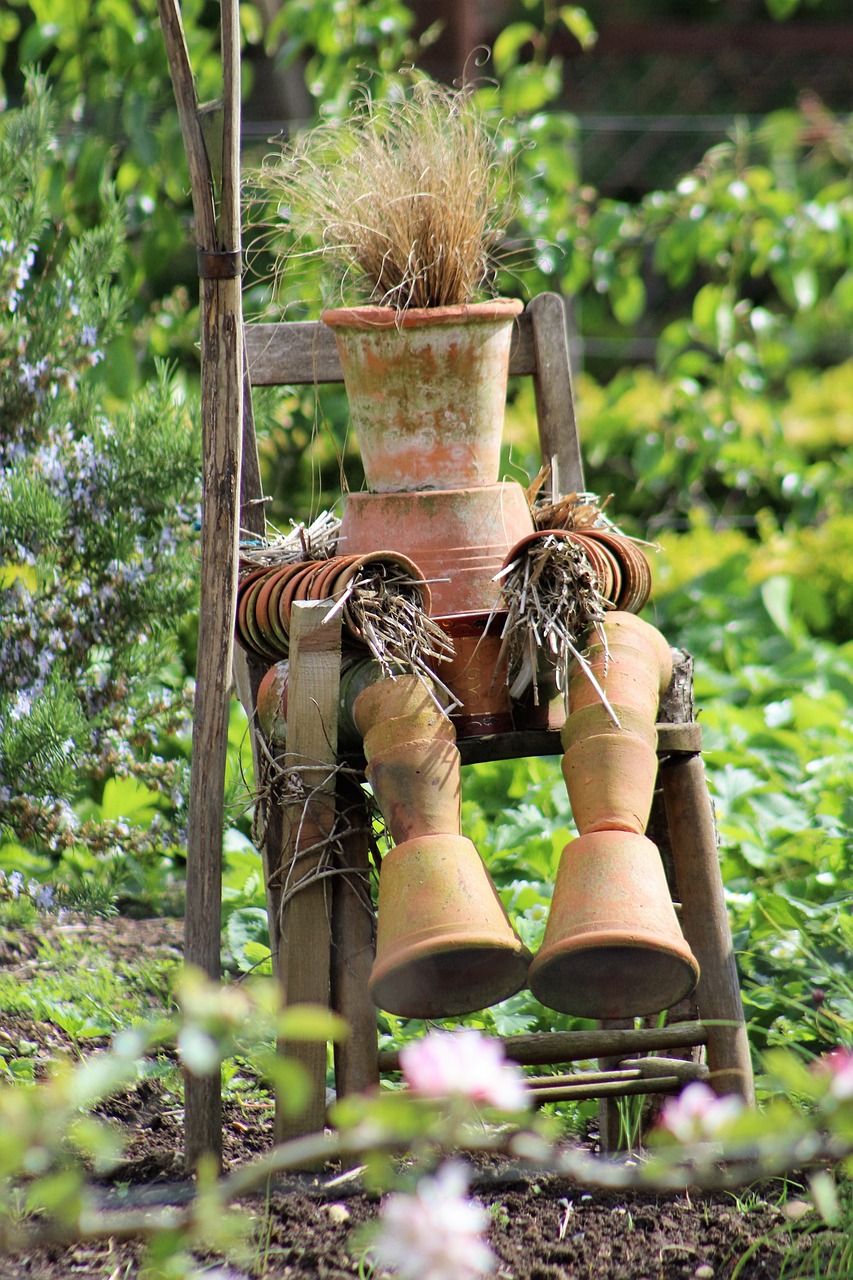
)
(96, 525)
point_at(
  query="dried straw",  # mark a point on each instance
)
(316, 541)
(552, 601)
(408, 199)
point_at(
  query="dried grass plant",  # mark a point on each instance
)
(407, 200)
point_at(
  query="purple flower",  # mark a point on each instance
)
(16, 879)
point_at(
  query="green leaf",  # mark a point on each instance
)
(776, 597)
(510, 42)
(311, 1022)
(247, 925)
(628, 299)
(577, 22)
(126, 798)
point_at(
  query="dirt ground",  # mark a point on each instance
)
(542, 1229)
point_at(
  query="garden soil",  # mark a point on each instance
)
(541, 1229)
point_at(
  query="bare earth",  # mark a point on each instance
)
(541, 1230)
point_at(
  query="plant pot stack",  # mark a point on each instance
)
(613, 947)
(444, 943)
(427, 392)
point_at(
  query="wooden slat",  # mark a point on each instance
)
(312, 743)
(706, 924)
(555, 407)
(302, 353)
(353, 930)
(548, 1048)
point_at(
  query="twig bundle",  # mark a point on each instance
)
(408, 198)
(552, 600)
(383, 607)
(317, 541)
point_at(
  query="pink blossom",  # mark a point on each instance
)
(466, 1064)
(839, 1066)
(435, 1234)
(698, 1114)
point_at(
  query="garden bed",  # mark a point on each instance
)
(541, 1228)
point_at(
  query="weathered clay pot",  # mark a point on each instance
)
(272, 704)
(387, 698)
(417, 787)
(610, 778)
(476, 674)
(594, 719)
(427, 391)
(458, 538)
(402, 729)
(444, 944)
(636, 575)
(612, 947)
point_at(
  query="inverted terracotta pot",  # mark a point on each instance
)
(610, 778)
(386, 698)
(402, 729)
(622, 683)
(476, 674)
(458, 538)
(427, 391)
(612, 947)
(594, 719)
(626, 628)
(272, 704)
(417, 787)
(444, 944)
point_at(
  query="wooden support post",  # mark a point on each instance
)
(354, 946)
(311, 758)
(219, 253)
(555, 410)
(706, 925)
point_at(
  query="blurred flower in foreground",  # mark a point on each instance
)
(466, 1064)
(435, 1234)
(698, 1114)
(838, 1065)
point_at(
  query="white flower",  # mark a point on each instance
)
(467, 1064)
(435, 1234)
(698, 1114)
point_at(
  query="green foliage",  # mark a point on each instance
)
(96, 526)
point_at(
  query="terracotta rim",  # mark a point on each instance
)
(375, 317)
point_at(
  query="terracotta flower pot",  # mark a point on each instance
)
(610, 778)
(594, 719)
(427, 391)
(458, 538)
(417, 787)
(636, 575)
(613, 947)
(387, 698)
(399, 730)
(272, 704)
(444, 944)
(477, 674)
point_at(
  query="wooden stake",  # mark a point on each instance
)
(222, 413)
(312, 748)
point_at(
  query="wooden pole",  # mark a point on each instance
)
(219, 249)
(305, 938)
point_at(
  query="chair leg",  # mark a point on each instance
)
(353, 946)
(705, 923)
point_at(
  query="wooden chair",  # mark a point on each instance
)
(322, 924)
